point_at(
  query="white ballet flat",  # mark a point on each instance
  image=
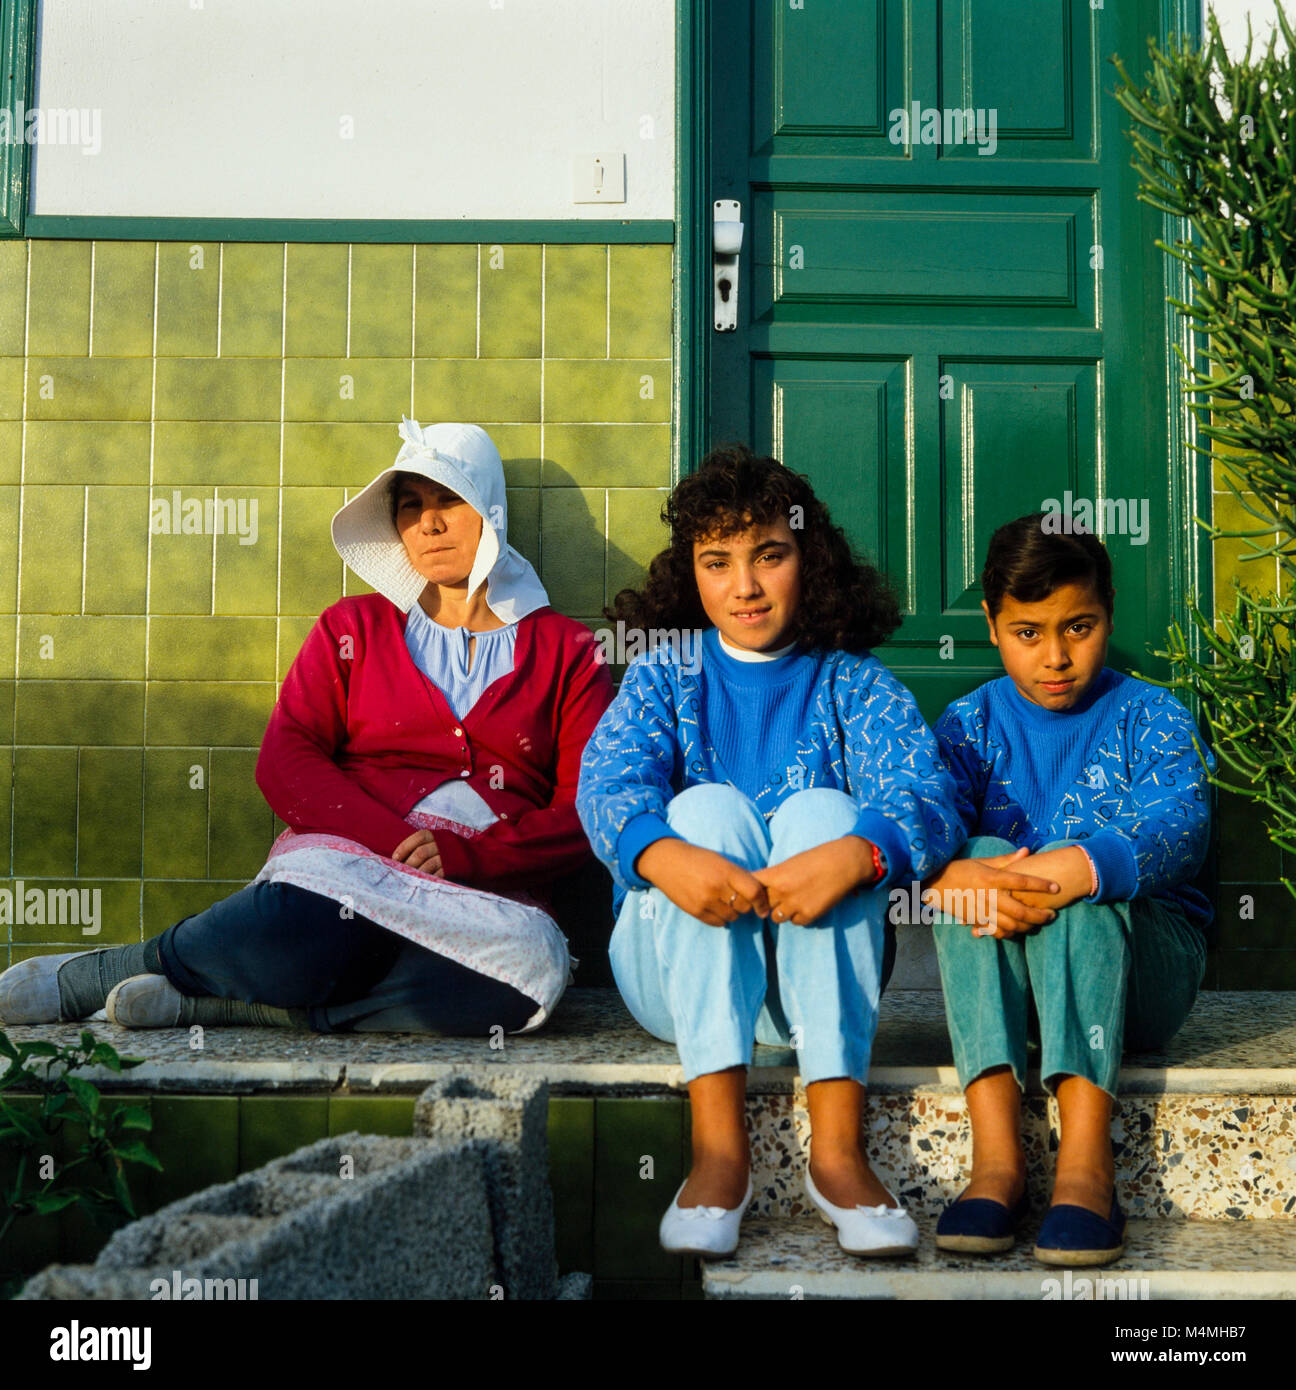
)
(861, 1230)
(711, 1232)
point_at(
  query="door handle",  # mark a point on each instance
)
(726, 243)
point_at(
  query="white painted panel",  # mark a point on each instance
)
(458, 108)
(1232, 16)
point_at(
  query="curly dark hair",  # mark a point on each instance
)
(846, 603)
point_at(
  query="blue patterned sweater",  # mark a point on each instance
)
(1118, 771)
(850, 725)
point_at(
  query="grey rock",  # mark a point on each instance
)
(504, 1112)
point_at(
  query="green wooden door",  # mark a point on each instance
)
(945, 335)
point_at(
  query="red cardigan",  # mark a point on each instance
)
(359, 735)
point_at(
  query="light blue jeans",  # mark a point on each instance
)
(714, 991)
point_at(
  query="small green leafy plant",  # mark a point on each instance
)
(93, 1177)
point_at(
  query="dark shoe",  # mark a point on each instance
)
(980, 1226)
(1071, 1235)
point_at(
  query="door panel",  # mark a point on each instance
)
(943, 338)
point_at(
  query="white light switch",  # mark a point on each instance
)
(598, 178)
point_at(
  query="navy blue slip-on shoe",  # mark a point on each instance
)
(1071, 1235)
(980, 1226)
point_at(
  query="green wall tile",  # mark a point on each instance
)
(81, 711)
(391, 1115)
(292, 633)
(11, 451)
(110, 796)
(633, 392)
(382, 301)
(8, 646)
(62, 648)
(58, 319)
(124, 277)
(575, 301)
(247, 557)
(229, 453)
(240, 649)
(571, 1176)
(8, 553)
(180, 561)
(44, 812)
(175, 812)
(636, 533)
(524, 521)
(627, 1205)
(572, 548)
(1257, 969)
(231, 388)
(168, 901)
(6, 798)
(239, 832)
(519, 447)
(1269, 923)
(607, 456)
(117, 911)
(640, 315)
(116, 550)
(13, 297)
(311, 575)
(459, 389)
(342, 454)
(510, 301)
(635, 1290)
(317, 300)
(215, 713)
(346, 388)
(92, 388)
(272, 1126)
(12, 385)
(188, 292)
(445, 301)
(252, 281)
(1244, 844)
(197, 1139)
(87, 451)
(53, 521)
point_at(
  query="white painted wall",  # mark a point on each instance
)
(1232, 16)
(460, 108)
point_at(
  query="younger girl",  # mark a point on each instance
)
(1094, 777)
(753, 809)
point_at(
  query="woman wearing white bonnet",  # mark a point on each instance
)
(424, 752)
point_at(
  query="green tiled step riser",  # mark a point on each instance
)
(614, 1165)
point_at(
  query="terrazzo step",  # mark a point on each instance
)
(799, 1258)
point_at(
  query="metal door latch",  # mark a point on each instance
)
(726, 243)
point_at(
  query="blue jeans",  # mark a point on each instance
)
(275, 943)
(1104, 977)
(715, 991)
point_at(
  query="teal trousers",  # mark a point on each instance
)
(1105, 977)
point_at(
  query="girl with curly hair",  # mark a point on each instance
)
(753, 813)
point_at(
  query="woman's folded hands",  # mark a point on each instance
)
(419, 851)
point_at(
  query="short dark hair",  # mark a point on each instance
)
(846, 603)
(1026, 562)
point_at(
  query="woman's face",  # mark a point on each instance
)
(1055, 649)
(750, 584)
(440, 531)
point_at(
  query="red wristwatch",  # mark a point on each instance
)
(879, 864)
